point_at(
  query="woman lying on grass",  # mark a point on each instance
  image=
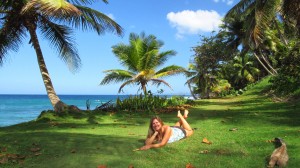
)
(159, 134)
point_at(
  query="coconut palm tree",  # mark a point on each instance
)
(245, 69)
(55, 20)
(141, 57)
(258, 16)
(244, 27)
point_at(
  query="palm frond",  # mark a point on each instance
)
(86, 2)
(116, 75)
(60, 38)
(162, 57)
(52, 8)
(160, 81)
(91, 19)
(239, 8)
(11, 36)
(126, 56)
(170, 70)
(126, 83)
(148, 59)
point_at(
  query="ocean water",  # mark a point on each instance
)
(15, 109)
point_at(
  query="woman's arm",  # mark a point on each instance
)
(162, 143)
(151, 139)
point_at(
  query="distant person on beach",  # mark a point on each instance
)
(159, 134)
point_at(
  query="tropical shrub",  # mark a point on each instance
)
(288, 79)
(140, 103)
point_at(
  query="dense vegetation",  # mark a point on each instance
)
(258, 38)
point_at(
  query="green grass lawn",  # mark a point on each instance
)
(93, 139)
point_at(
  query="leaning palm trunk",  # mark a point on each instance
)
(191, 91)
(263, 64)
(268, 63)
(57, 104)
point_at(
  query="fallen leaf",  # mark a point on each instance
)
(4, 160)
(131, 166)
(4, 149)
(12, 156)
(189, 165)
(233, 129)
(204, 151)
(35, 149)
(73, 151)
(206, 141)
(37, 154)
(101, 166)
(21, 156)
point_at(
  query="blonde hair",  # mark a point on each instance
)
(151, 130)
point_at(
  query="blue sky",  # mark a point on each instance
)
(178, 23)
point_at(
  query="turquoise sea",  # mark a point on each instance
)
(15, 109)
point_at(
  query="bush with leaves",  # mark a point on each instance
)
(288, 79)
(150, 103)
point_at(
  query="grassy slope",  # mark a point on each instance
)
(91, 140)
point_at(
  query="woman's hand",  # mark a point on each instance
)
(146, 147)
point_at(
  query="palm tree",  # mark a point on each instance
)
(52, 18)
(242, 28)
(258, 16)
(244, 66)
(141, 57)
(194, 78)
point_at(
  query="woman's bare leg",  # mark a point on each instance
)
(178, 123)
(185, 116)
(183, 122)
(186, 113)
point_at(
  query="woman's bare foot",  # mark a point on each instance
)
(179, 114)
(186, 113)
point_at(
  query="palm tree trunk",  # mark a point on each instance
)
(268, 63)
(192, 93)
(263, 64)
(144, 88)
(57, 104)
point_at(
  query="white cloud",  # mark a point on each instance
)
(111, 16)
(194, 22)
(228, 2)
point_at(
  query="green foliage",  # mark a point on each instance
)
(149, 103)
(206, 64)
(222, 88)
(288, 79)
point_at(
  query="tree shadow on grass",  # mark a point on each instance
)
(79, 150)
(251, 110)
